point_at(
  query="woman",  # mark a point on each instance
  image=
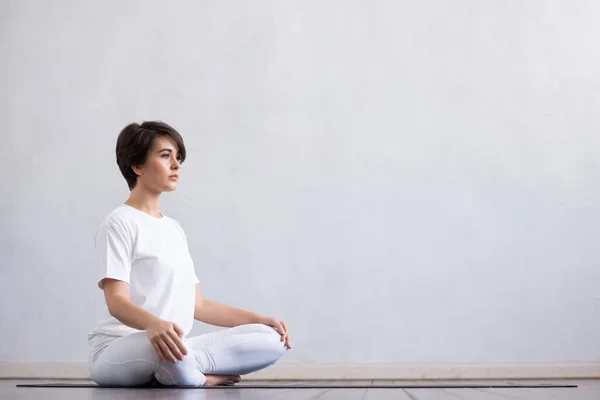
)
(151, 288)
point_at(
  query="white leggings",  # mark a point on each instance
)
(131, 360)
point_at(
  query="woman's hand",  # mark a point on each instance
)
(166, 337)
(280, 327)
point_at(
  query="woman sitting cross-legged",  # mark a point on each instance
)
(151, 288)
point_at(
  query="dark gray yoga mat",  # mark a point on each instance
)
(300, 385)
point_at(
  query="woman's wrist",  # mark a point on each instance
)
(261, 319)
(150, 320)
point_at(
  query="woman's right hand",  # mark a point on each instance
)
(166, 339)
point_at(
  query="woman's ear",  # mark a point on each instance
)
(137, 170)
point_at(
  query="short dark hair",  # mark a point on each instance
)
(134, 143)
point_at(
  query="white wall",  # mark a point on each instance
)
(401, 181)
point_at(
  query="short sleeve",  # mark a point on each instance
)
(194, 277)
(181, 232)
(113, 251)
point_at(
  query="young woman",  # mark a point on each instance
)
(151, 288)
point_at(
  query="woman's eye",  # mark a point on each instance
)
(165, 155)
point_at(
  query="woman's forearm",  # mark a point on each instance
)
(219, 314)
(129, 313)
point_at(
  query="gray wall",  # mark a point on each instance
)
(401, 181)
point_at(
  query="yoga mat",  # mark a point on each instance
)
(310, 386)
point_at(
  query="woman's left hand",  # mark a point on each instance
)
(280, 327)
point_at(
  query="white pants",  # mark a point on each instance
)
(131, 360)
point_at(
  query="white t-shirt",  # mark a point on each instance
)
(152, 255)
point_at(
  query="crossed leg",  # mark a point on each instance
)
(131, 360)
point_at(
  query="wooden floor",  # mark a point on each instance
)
(586, 390)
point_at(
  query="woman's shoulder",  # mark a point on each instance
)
(173, 221)
(177, 225)
(119, 218)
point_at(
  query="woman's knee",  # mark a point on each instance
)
(132, 373)
(272, 337)
(278, 348)
(270, 343)
(181, 373)
(259, 328)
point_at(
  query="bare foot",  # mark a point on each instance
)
(220, 380)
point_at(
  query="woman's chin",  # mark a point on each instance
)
(170, 188)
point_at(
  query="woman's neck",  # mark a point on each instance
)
(145, 201)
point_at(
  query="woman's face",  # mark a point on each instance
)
(160, 173)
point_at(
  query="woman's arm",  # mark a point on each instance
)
(218, 314)
(116, 294)
(165, 336)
